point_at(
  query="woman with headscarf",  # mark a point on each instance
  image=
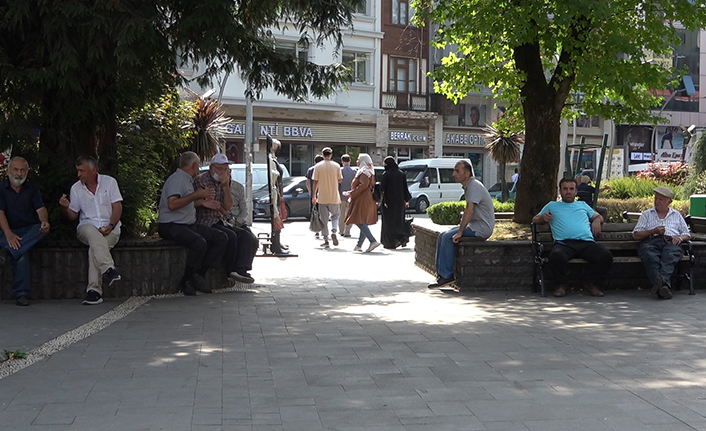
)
(395, 200)
(362, 209)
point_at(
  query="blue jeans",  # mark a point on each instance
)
(365, 233)
(20, 258)
(446, 251)
(660, 258)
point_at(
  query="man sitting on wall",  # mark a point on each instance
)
(478, 221)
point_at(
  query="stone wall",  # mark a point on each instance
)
(509, 265)
(147, 267)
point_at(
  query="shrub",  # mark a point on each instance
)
(635, 187)
(670, 173)
(617, 206)
(450, 212)
(446, 212)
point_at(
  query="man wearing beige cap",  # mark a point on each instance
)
(661, 230)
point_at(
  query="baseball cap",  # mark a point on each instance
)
(220, 159)
(665, 191)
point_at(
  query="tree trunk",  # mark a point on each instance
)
(540, 160)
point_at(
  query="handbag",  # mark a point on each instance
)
(377, 192)
(315, 223)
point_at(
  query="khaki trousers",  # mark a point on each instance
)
(99, 258)
(343, 228)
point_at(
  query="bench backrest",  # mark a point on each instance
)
(697, 224)
(609, 232)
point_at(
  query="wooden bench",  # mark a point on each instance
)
(617, 238)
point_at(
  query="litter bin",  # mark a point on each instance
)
(697, 205)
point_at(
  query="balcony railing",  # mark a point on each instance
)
(405, 101)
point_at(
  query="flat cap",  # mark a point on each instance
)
(665, 191)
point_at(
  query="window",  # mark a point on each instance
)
(359, 62)
(402, 12)
(362, 8)
(291, 48)
(447, 175)
(403, 75)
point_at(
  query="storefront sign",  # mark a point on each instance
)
(464, 139)
(407, 136)
(274, 130)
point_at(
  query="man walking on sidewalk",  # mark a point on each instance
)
(97, 204)
(327, 176)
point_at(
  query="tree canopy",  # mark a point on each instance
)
(69, 68)
(535, 54)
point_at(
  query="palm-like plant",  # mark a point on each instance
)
(209, 122)
(503, 147)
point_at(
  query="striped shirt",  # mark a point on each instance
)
(673, 223)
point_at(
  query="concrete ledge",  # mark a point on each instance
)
(509, 265)
(150, 266)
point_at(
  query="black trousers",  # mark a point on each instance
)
(205, 246)
(239, 252)
(597, 256)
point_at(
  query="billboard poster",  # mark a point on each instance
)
(636, 141)
(670, 143)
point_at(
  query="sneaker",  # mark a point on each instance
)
(357, 248)
(111, 276)
(373, 246)
(187, 288)
(245, 277)
(664, 292)
(92, 298)
(22, 301)
(441, 282)
(334, 239)
(234, 276)
(346, 235)
(325, 244)
(200, 283)
(317, 236)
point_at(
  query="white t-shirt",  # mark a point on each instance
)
(96, 209)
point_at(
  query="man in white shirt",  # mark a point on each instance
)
(327, 175)
(97, 204)
(661, 230)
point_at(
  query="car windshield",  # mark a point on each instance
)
(413, 174)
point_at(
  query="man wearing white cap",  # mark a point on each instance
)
(661, 230)
(214, 213)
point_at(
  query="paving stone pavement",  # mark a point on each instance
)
(335, 340)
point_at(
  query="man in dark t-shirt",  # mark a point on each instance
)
(24, 222)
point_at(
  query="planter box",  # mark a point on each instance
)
(509, 265)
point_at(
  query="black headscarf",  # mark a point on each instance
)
(389, 163)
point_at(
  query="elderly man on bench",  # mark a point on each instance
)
(574, 225)
(662, 230)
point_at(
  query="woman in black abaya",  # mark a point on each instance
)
(394, 202)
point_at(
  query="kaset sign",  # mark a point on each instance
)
(272, 130)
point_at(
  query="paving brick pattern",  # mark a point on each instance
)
(333, 340)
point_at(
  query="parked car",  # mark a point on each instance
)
(259, 173)
(496, 193)
(296, 199)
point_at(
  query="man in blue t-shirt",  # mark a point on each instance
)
(574, 225)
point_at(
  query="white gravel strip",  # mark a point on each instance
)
(86, 330)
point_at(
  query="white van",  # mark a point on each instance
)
(431, 181)
(259, 173)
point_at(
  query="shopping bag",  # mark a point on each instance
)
(315, 223)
